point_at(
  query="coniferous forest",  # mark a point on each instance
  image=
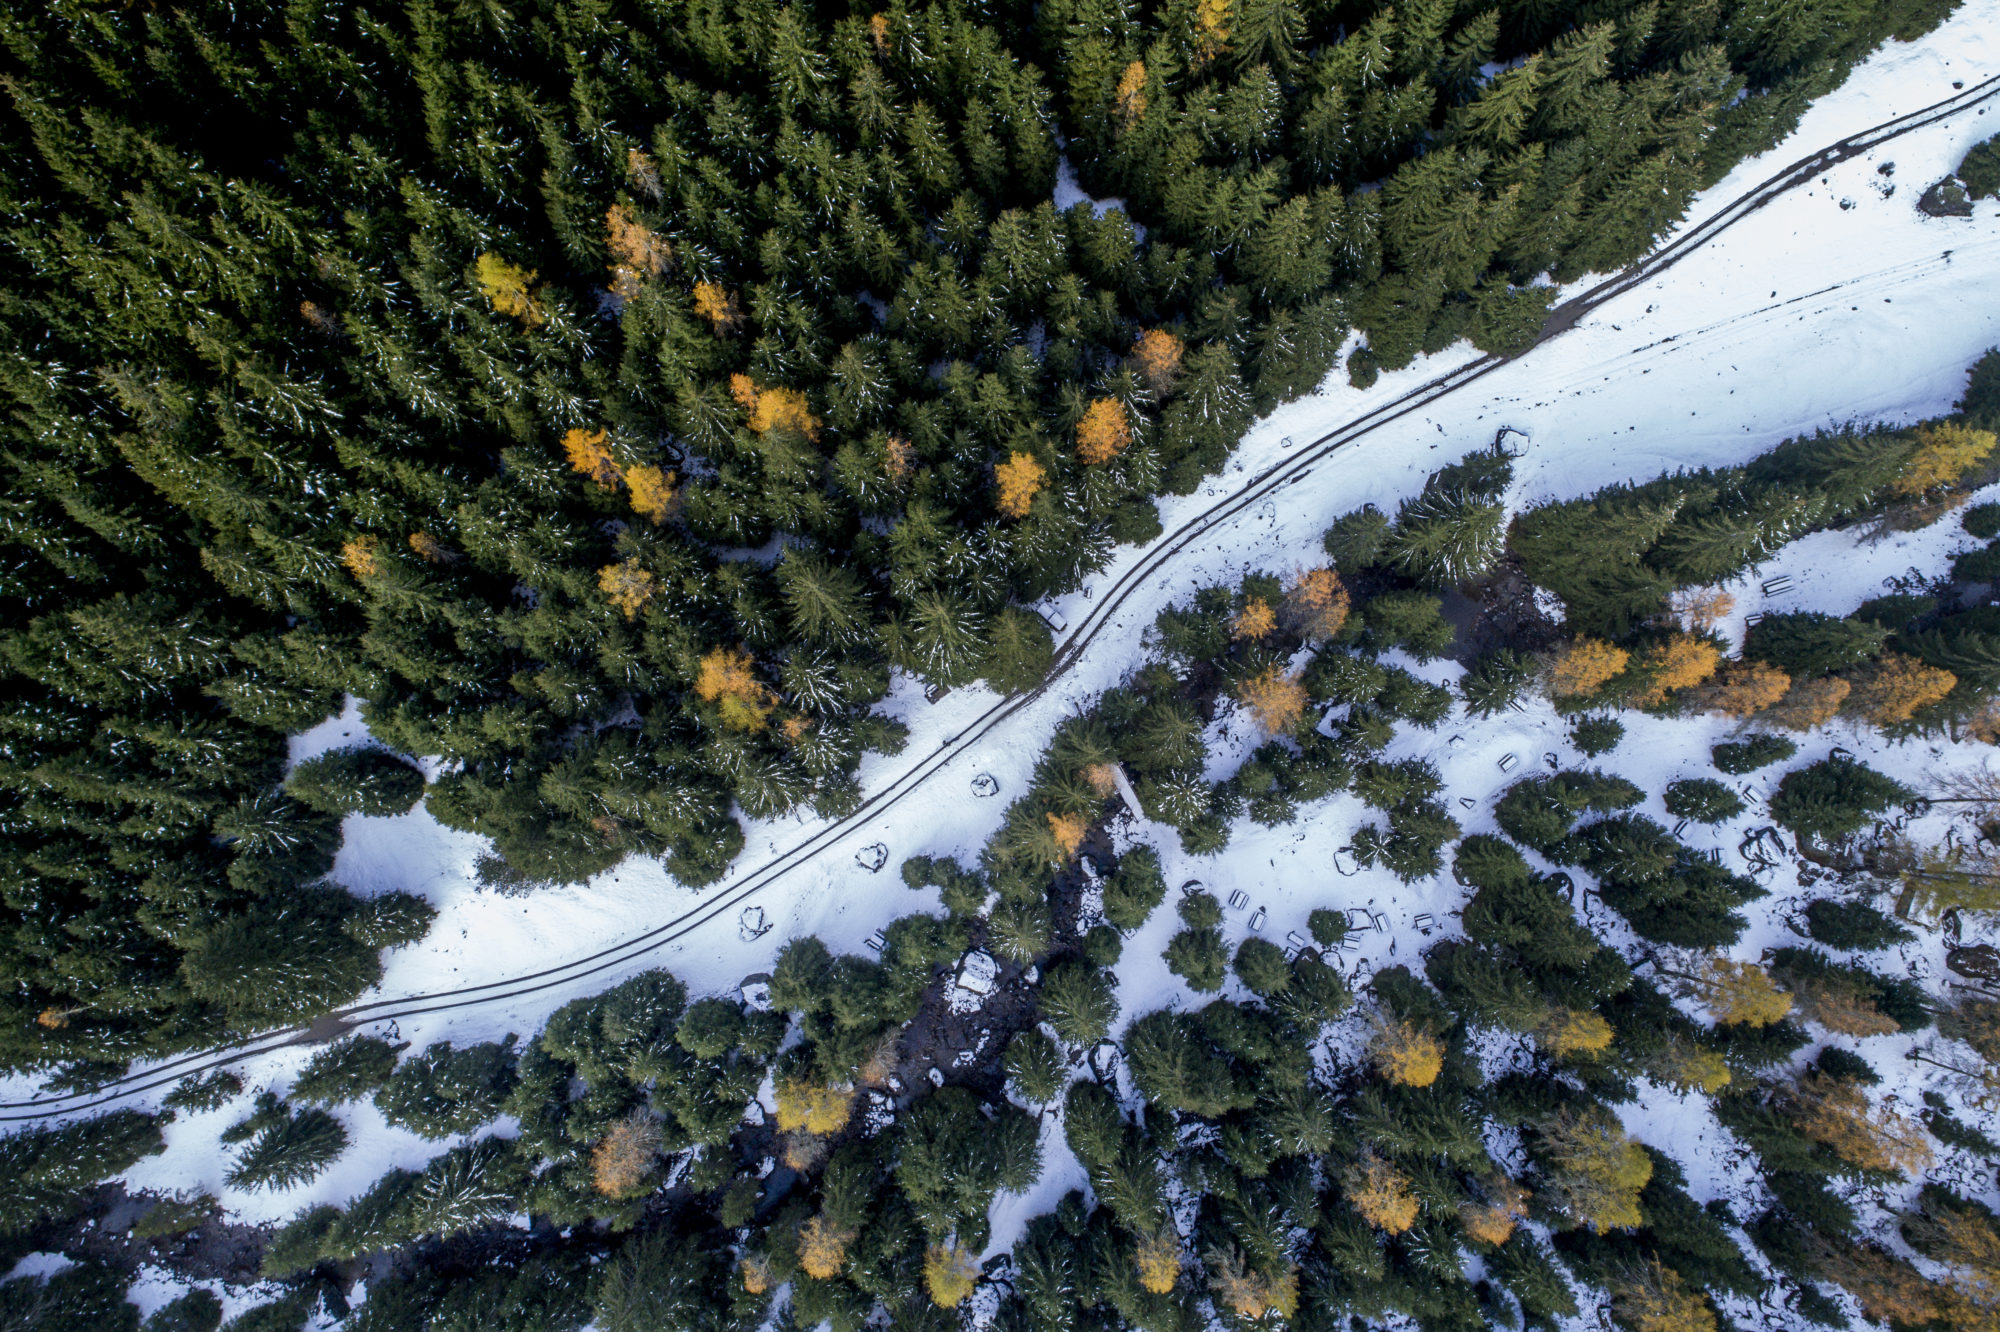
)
(614, 397)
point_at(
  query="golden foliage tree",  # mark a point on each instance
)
(1249, 1293)
(1569, 1031)
(637, 251)
(1887, 1288)
(627, 586)
(621, 1165)
(1130, 104)
(1585, 665)
(1212, 19)
(1274, 699)
(717, 304)
(771, 409)
(1682, 662)
(363, 556)
(589, 454)
(1745, 688)
(1405, 1054)
(1810, 703)
(1066, 831)
(1493, 1220)
(899, 459)
(726, 679)
(509, 289)
(1256, 620)
(823, 1248)
(653, 493)
(1157, 353)
(755, 1271)
(1701, 609)
(1317, 604)
(1968, 1244)
(1738, 994)
(812, 1107)
(950, 1273)
(1020, 479)
(1654, 1298)
(1596, 1171)
(1898, 688)
(1381, 1193)
(1158, 1262)
(1946, 451)
(1837, 1112)
(643, 173)
(1103, 778)
(1842, 1004)
(1104, 432)
(1683, 1064)
(429, 549)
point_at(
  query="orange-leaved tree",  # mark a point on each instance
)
(717, 304)
(1019, 479)
(653, 493)
(1256, 620)
(1158, 1261)
(727, 679)
(1945, 452)
(1682, 662)
(1275, 699)
(1381, 1193)
(1317, 604)
(1809, 703)
(1595, 1172)
(950, 1273)
(627, 586)
(771, 409)
(1652, 1297)
(1157, 353)
(1250, 1293)
(1837, 1112)
(363, 556)
(621, 1165)
(1104, 432)
(589, 454)
(637, 251)
(1585, 665)
(1570, 1031)
(1897, 688)
(1745, 688)
(1404, 1053)
(1736, 994)
(823, 1248)
(1130, 99)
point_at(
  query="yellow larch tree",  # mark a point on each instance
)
(1019, 479)
(429, 549)
(1898, 688)
(1596, 1171)
(644, 173)
(1737, 994)
(627, 586)
(1404, 1053)
(755, 1272)
(823, 1248)
(1682, 662)
(1493, 1220)
(589, 454)
(1104, 432)
(1586, 664)
(1809, 703)
(811, 1107)
(1256, 620)
(950, 1273)
(899, 459)
(1066, 833)
(1381, 1193)
(653, 492)
(1683, 1064)
(1654, 1298)
(363, 556)
(1130, 99)
(509, 289)
(771, 409)
(1841, 1004)
(1701, 609)
(621, 1164)
(727, 679)
(1887, 1288)
(1275, 699)
(1103, 778)
(878, 32)
(1158, 1261)
(1837, 1112)
(637, 251)
(1946, 451)
(1157, 353)
(1745, 688)
(1249, 1293)
(1569, 1031)
(1211, 31)
(1317, 604)
(717, 304)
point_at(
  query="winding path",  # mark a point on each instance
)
(1292, 468)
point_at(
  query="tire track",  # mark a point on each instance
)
(1118, 592)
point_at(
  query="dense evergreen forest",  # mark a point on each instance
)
(612, 394)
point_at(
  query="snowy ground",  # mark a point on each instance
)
(1837, 302)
